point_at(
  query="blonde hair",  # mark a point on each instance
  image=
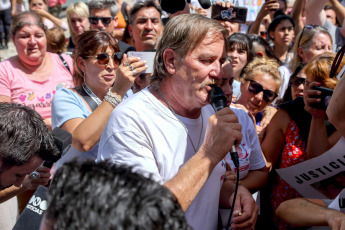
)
(80, 9)
(263, 65)
(319, 68)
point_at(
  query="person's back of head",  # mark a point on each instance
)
(56, 40)
(261, 47)
(23, 134)
(101, 195)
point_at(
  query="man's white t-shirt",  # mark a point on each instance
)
(142, 132)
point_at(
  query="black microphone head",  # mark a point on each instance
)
(63, 141)
(217, 98)
(172, 7)
(205, 3)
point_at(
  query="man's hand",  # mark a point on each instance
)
(336, 220)
(223, 131)
(245, 210)
(31, 184)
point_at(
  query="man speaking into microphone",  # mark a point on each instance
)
(167, 131)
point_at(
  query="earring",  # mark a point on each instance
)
(84, 76)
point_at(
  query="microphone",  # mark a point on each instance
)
(32, 214)
(63, 141)
(205, 3)
(172, 7)
(218, 102)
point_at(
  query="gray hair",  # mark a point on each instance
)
(26, 18)
(305, 42)
(183, 34)
(104, 4)
(141, 4)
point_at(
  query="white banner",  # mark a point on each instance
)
(321, 177)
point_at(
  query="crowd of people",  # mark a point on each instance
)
(148, 150)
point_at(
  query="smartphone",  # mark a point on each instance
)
(144, 56)
(233, 14)
(325, 96)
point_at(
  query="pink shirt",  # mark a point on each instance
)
(35, 94)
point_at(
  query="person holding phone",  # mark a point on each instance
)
(293, 137)
(102, 77)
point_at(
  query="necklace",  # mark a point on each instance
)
(91, 94)
(189, 138)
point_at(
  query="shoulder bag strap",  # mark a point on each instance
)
(92, 104)
(64, 63)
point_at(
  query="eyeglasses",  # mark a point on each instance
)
(297, 81)
(255, 88)
(308, 27)
(103, 58)
(104, 20)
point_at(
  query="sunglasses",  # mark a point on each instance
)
(263, 34)
(297, 81)
(308, 27)
(104, 20)
(104, 58)
(255, 88)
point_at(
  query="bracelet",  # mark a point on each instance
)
(112, 99)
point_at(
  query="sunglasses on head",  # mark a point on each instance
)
(104, 20)
(307, 27)
(255, 88)
(104, 58)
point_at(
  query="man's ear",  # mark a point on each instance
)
(130, 31)
(81, 64)
(116, 21)
(169, 59)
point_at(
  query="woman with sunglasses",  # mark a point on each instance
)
(260, 84)
(296, 85)
(102, 80)
(296, 129)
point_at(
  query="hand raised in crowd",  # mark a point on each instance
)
(336, 220)
(222, 131)
(225, 4)
(269, 6)
(245, 210)
(31, 184)
(128, 70)
(309, 98)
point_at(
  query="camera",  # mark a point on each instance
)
(325, 96)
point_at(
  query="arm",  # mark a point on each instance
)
(303, 212)
(87, 132)
(315, 13)
(255, 179)
(5, 99)
(28, 184)
(296, 15)
(267, 7)
(57, 21)
(336, 108)
(339, 9)
(275, 134)
(13, 7)
(318, 141)
(193, 175)
(245, 210)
